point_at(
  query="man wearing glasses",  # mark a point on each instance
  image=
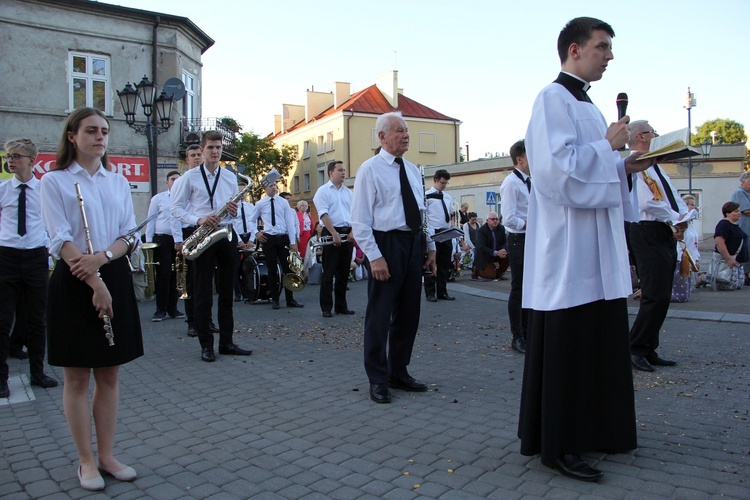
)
(491, 254)
(655, 250)
(439, 205)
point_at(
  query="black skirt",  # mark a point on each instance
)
(75, 333)
(577, 391)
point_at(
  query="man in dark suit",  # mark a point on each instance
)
(490, 249)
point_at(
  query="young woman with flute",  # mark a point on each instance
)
(93, 323)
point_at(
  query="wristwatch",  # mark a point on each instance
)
(109, 256)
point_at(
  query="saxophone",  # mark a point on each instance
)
(206, 235)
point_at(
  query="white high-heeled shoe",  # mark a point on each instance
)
(126, 474)
(93, 484)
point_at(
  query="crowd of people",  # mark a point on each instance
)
(568, 240)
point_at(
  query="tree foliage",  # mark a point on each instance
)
(727, 132)
(260, 155)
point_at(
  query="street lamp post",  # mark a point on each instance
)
(145, 92)
(690, 104)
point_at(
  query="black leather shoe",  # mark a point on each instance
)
(327, 314)
(276, 304)
(18, 354)
(213, 328)
(519, 345)
(380, 393)
(445, 296)
(207, 354)
(655, 360)
(192, 332)
(431, 298)
(407, 384)
(573, 466)
(233, 349)
(237, 297)
(345, 311)
(5, 391)
(294, 303)
(640, 363)
(43, 381)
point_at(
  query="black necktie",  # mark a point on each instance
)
(442, 202)
(273, 214)
(22, 210)
(528, 183)
(411, 209)
(667, 189)
(244, 222)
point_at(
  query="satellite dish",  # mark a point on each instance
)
(174, 88)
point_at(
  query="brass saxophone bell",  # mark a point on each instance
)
(293, 283)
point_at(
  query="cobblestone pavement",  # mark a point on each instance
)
(294, 419)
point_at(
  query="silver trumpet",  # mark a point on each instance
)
(324, 241)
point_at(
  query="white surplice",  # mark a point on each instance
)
(575, 240)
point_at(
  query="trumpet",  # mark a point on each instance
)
(328, 240)
(293, 281)
(180, 267)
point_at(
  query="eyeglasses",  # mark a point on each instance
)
(652, 131)
(443, 183)
(492, 218)
(16, 156)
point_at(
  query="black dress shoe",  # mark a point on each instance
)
(238, 298)
(192, 332)
(276, 304)
(344, 311)
(407, 384)
(207, 354)
(294, 303)
(18, 354)
(573, 466)
(445, 296)
(327, 314)
(380, 393)
(213, 328)
(233, 349)
(5, 391)
(43, 381)
(640, 363)
(655, 360)
(431, 298)
(519, 345)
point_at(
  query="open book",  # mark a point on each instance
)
(671, 146)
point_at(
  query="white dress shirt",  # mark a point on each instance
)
(249, 226)
(286, 217)
(514, 202)
(377, 204)
(190, 196)
(435, 213)
(164, 222)
(36, 235)
(661, 210)
(107, 201)
(336, 202)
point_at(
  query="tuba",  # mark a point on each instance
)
(206, 235)
(293, 281)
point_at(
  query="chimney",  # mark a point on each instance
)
(341, 94)
(292, 114)
(276, 124)
(317, 102)
(388, 86)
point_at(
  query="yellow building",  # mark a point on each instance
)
(339, 125)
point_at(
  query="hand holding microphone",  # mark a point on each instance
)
(622, 107)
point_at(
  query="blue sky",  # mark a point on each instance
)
(482, 62)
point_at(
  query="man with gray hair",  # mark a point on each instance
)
(742, 196)
(387, 226)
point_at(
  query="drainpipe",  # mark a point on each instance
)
(348, 145)
(154, 67)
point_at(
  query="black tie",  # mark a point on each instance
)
(411, 209)
(244, 222)
(442, 202)
(22, 210)
(273, 214)
(667, 189)
(528, 183)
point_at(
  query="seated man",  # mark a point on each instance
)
(491, 257)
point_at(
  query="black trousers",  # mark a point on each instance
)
(655, 250)
(444, 263)
(276, 250)
(336, 263)
(18, 335)
(166, 278)
(519, 317)
(219, 257)
(24, 275)
(393, 306)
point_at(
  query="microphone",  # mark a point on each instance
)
(622, 105)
